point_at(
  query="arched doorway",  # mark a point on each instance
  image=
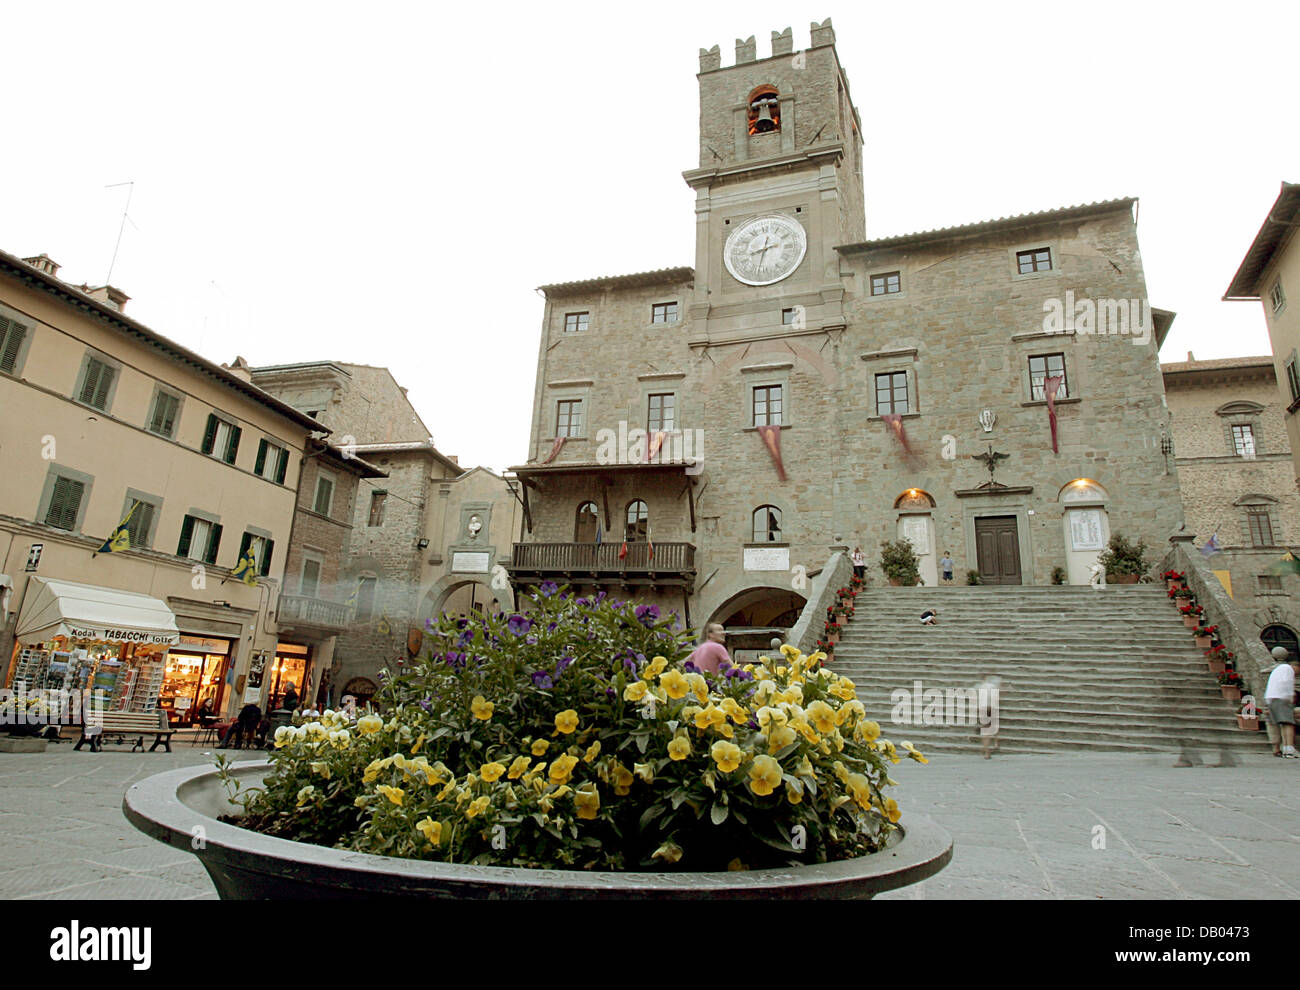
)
(1281, 636)
(916, 525)
(1087, 527)
(754, 616)
(460, 596)
(361, 688)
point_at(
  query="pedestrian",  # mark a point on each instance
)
(859, 563)
(1279, 696)
(930, 617)
(290, 700)
(945, 562)
(710, 655)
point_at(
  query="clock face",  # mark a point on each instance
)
(765, 249)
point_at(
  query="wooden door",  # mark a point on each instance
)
(997, 545)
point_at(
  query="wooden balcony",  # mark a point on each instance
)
(599, 563)
(297, 610)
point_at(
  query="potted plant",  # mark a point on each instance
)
(1218, 658)
(1230, 685)
(559, 754)
(1125, 562)
(827, 647)
(1204, 635)
(973, 577)
(1174, 579)
(900, 563)
(1058, 575)
(1192, 615)
(1248, 714)
(832, 632)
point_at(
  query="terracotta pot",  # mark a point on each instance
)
(895, 583)
(1202, 641)
(1217, 667)
(247, 865)
(1248, 723)
(1230, 691)
(1170, 584)
(1122, 578)
(1191, 621)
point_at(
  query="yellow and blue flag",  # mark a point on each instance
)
(120, 538)
(246, 569)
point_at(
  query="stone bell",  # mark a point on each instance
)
(764, 122)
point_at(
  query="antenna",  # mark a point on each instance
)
(130, 189)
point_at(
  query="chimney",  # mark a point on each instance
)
(1191, 356)
(109, 295)
(43, 262)
(240, 369)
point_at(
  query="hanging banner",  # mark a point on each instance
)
(895, 423)
(656, 441)
(1050, 387)
(772, 441)
(555, 449)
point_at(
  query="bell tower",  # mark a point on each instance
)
(779, 185)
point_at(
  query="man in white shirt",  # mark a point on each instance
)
(1279, 695)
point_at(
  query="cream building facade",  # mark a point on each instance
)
(811, 389)
(108, 420)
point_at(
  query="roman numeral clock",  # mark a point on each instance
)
(765, 249)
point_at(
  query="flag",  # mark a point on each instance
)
(120, 538)
(1211, 546)
(1050, 387)
(384, 628)
(352, 598)
(656, 441)
(1287, 565)
(598, 527)
(622, 551)
(771, 436)
(555, 449)
(246, 569)
(650, 540)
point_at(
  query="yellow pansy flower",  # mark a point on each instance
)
(622, 780)
(305, 794)
(771, 718)
(418, 743)
(645, 771)
(669, 852)
(791, 652)
(481, 708)
(394, 794)
(566, 721)
(764, 775)
(562, 768)
(802, 727)
(886, 747)
(593, 751)
(491, 772)
(726, 755)
(587, 800)
(849, 712)
(867, 731)
(635, 691)
(699, 686)
(736, 865)
(913, 752)
(445, 793)
(780, 737)
(679, 748)
(822, 716)
(368, 724)
(518, 767)
(860, 788)
(477, 806)
(654, 668)
(891, 810)
(560, 791)
(734, 710)
(674, 682)
(711, 716)
(284, 736)
(431, 830)
(321, 768)
(793, 792)
(540, 747)
(805, 768)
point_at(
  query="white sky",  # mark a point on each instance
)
(387, 185)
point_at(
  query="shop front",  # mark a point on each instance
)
(105, 646)
(291, 667)
(194, 679)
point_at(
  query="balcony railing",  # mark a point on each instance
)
(302, 611)
(602, 559)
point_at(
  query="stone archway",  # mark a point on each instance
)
(447, 594)
(754, 614)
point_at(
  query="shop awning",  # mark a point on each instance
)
(86, 611)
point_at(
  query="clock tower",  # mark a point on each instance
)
(778, 188)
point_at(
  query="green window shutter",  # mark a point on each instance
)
(260, 463)
(106, 376)
(140, 523)
(284, 465)
(187, 534)
(264, 565)
(232, 448)
(90, 382)
(64, 503)
(11, 335)
(164, 414)
(214, 544)
(209, 434)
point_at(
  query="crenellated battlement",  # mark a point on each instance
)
(820, 35)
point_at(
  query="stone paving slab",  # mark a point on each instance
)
(1023, 827)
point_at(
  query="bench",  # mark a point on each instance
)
(126, 724)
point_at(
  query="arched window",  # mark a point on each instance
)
(1281, 636)
(767, 524)
(638, 518)
(585, 523)
(764, 110)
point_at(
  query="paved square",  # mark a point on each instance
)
(1023, 826)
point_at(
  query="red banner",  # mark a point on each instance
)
(1050, 387)
(895, 423)
(559, 442)
(656, 441)
(772, 441)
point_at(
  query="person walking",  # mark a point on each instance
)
(859, 563)
(1279, 696)
(710, 655)
(945, 563)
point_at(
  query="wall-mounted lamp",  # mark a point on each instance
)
(422, 544)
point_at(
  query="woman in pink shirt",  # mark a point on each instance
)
(709, 655)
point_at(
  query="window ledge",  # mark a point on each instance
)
(754, 429)
(908, 352)
(880, 418)
(756, 546)
(1042, 334)
(1043, 402)
(1272, 594)
(1026, 276)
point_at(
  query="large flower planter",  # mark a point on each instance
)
(1231, 692)
(1202, 641)
(181, 807)
(1122, 578)
(1247, 723)
(1217, 666)
(1191, 621)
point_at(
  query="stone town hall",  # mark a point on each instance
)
(884, 367)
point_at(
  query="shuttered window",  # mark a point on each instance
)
(65, 503)
(97, 384)
(221, 439)
(165, 408)
(200, 540)
(140, 525)
(324, 495)
(263, 549)
(310, 583)
(272, 461)
(12, 334)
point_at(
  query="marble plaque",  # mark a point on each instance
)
(767, 558)
(470, 562)
(1085, 529)
(917, 530)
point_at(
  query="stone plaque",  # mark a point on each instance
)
(767, 558)
(1085, 529)
(917, 530)
(471, 562)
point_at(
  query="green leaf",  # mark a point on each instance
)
(677, 797)
(642, 741)
(651, 813)
(719, 813)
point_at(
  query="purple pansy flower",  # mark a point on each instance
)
(690, 667)
(564, 662)
(647, 614)
(548, 588)
(543, 680)
(518, 625)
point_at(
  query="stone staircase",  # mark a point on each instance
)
(1111, 670)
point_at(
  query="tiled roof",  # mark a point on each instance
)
(661, 276)
(1277, 227)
